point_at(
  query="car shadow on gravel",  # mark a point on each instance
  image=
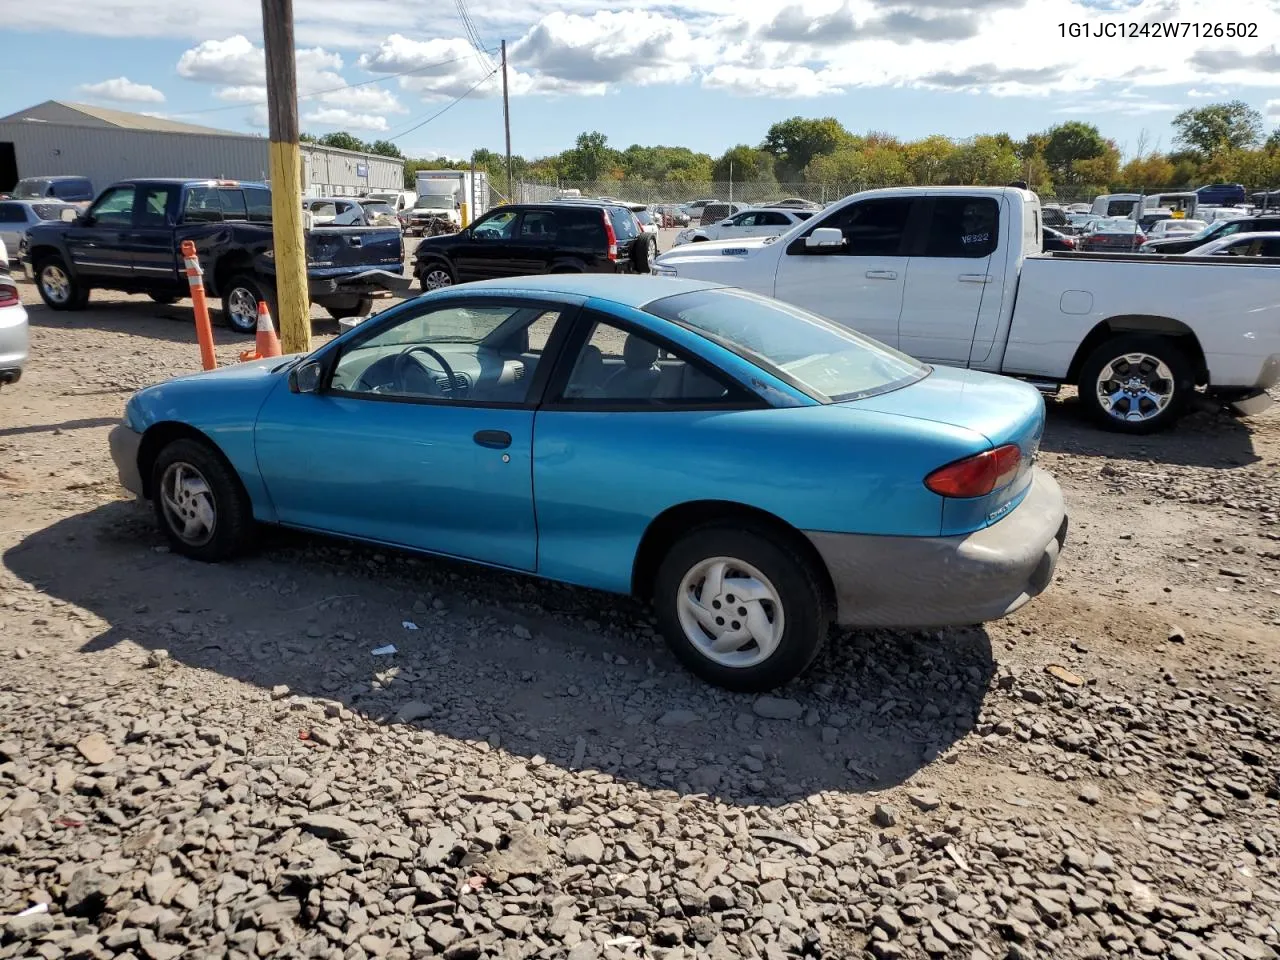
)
(154, 321)
(572, 676)
(1210, 439)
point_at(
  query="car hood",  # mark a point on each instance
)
(713, 249)
(238, 372)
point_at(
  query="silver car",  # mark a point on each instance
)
(18, 216)
(13, 324)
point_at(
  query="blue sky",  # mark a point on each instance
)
(705, 74)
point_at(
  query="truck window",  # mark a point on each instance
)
(233, 205)
(871, 228)
(202, 206)
(115, 208)
(153, 206)
(259, 204)
(963, 227)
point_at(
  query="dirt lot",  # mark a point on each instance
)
(209, 762)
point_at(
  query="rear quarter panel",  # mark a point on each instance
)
(600, 478)
(1233, 311)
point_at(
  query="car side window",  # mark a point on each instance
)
(539, 225)
(743, 220)
(771, 218)
(153, 207)
(233, 205)
(1269, 248)
(115, 208)
(464, 354)
(965, 227)
(500, 226)
(258, 201)
(616, 367)
(12, 213)
(871, 228)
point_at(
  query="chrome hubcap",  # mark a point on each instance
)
(188, 504)
(54, 282)
(244, 308)
(1135, 387)
(435, 279)
(730, 612)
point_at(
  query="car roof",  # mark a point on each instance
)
(1237, 237)
(190, 182)
(633, 290)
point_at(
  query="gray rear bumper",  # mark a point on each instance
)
(948, 581)
(124, 445)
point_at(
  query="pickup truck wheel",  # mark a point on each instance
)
(240, 300)
(361, 308)
(436, 274)
(165, 299)
(58, 288)
(741, 608)
(1136, 383)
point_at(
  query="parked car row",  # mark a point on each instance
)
(751, 222)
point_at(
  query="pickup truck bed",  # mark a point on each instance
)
(957, 276)
(129, 240)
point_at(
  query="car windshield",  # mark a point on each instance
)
(434, 201)
(33, 188)
(49, 211)
(1184, 226)
(1116, 225)
(828, 362)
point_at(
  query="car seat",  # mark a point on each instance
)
(640, 374)
(587, 374)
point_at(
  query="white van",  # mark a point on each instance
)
(1115, 204)
(401, 201)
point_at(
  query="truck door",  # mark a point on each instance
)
(860, 283)
(96, 244)
(950, 280)
(150, 239)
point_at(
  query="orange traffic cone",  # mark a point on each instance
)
(267, 343)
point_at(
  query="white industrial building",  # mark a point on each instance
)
(56, 138)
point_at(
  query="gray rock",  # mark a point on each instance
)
(1090, 794)
(678, 718)
(925, 800)
(413, 710)
(95, 749)
(885, 815)
(87, 893)
(329, 827)
(585, 848)
(777, 708)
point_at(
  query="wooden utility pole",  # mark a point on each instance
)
(288, 238)
(506, 118)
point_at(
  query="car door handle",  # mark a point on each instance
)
(494, 439)
(975, 278)
(882, 274)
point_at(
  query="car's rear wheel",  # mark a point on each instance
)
(642, 254)
(1136, 383)
(361, 308)
(199, 502)
(741, 608)
(58, 288)
(240, 298)
(435, 275)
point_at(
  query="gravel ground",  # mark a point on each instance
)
(210, 762)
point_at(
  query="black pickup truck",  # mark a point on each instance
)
(130, 238)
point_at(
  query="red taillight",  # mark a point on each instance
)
(978, 475)
(8, 294)
(610, 237)
(1069, 243)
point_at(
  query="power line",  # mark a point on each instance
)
(445, 109)
(345, 86)
(473, 35)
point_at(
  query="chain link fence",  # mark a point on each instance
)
(683, 191)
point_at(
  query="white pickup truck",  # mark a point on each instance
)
(957, 276)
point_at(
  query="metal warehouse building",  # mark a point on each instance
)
(56, 138)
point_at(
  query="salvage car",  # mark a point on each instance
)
(753, 470)
(958, 275)
(19, 216)
(753, 222)
(130, 239)
(13, 325)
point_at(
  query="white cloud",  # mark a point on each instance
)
(234, 60)
(345, 119)
(634, 47)
(441, 67)
(1272, 110)
(122, 90)
(1131, 108)
(777, 82)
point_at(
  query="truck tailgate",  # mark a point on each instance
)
(358, 248)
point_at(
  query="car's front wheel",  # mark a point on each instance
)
(58, 288)
(741, 607)
(199, 501)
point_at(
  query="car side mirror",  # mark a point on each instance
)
(726, 223)
(306, 377)
(825, 238)
(69, 215)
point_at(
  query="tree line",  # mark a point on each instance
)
(1220, 142)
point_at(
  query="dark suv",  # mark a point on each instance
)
(1223, 228)
(530, 238)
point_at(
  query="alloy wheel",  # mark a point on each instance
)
(55, 283)
(1135, 387)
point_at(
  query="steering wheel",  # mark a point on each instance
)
(402, 368)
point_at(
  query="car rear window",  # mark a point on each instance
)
(202, 206)
(49, 211)
(233, 205)
(72, 190)
(259, 203)
(624, 224)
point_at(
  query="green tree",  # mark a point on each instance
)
(984, 159)
(926, 160)
(796, 141)
(1273, 141)
(384, 148)
(1212, 129)
(749, 165)
(590, 158)
(1069, 142)
(305, 137)
(342, 140)
(1147, 172)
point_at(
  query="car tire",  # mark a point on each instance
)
(642, 253)
(200, 504)
(791, 609)
(698, 240)
(59, 289)
(436, 275)
(164, 299)
(1150, 377)
(240, 299)
(362, 308)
